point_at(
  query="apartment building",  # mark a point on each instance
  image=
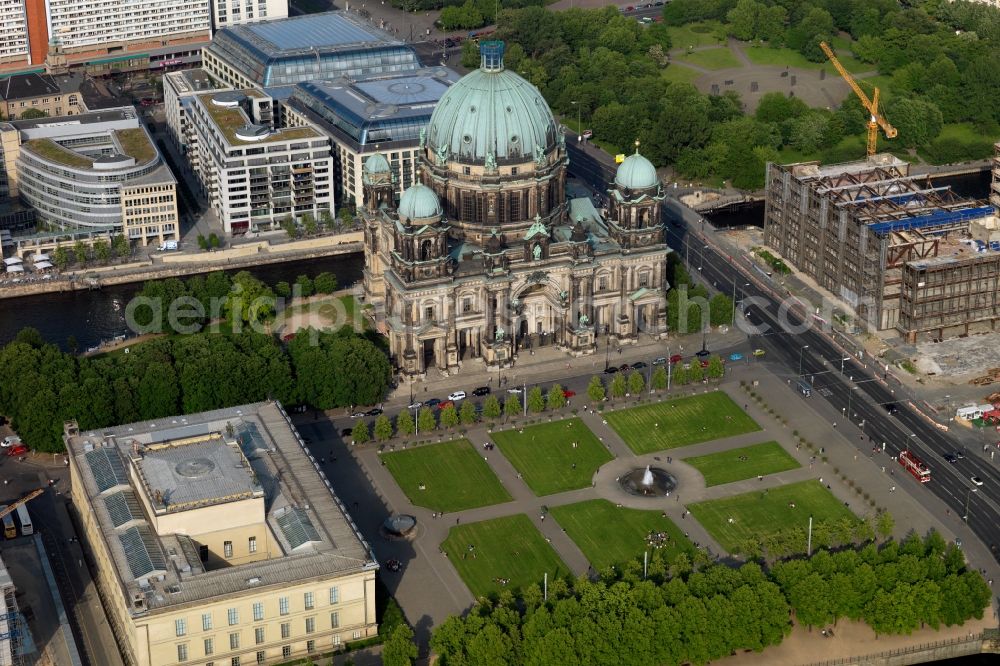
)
(219, 540)
(97, 171)
(13, 31)
(53, 95)
(257, 176)
(235, 12)
(303, 48)
(376, 114)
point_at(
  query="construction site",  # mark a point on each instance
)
(904, 254)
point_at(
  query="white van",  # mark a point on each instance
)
(166, 246)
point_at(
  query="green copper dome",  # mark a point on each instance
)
(636, 173)
(419, 202)
(491, 111)
(376, 164)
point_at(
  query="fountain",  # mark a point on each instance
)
(648, 482)
(399, 527)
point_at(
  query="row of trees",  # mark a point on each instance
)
(100, 251)
(689, 307)
(697, 611)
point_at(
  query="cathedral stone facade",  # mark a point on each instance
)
(487, 256)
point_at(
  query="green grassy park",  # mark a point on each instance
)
(508, 548)
(763, 512)
(705, 33)
(784, 57)
(680, 422)
(720, 58)
(729, 466)
(610, 535)
(453, 475)
(545, 456)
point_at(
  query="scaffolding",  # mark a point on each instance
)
(10, 624)
(855, 227)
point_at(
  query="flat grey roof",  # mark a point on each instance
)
(201, 471)
(421, 87)
(103, 116)
(320, 31)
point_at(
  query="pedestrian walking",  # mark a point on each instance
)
(457, 520)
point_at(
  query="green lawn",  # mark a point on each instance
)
(757, 513)
(766, 55)
(455, 477)
(680, 422)
(727, 466)
(610, 535)
(720, 58)
(509, 547)
(705, 33)
(544, 455)
(678, 73)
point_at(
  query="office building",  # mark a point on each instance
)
(903, 253)
(304, 48)
(217, 539)
(378, 114)
(254, 175)
(234, 12)
(97, 171)
(486, 255)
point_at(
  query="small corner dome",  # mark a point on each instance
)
(376, 164)
(419, 202)
(636, 173)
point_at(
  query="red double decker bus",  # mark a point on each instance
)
(915, 466)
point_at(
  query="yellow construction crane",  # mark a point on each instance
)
(24, 500)
(875, 119)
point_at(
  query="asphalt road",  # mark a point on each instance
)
(856, 391)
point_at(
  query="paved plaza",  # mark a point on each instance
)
(429, 588)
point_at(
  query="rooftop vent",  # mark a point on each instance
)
(253, 581)
(253, 132)
(228, 99)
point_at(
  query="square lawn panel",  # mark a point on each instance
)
(612, 535)
(545, 456)
(503, 548)
(453, 474)
(680, 422)
(728, 466)
(765, 512)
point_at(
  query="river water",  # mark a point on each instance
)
(94, 316)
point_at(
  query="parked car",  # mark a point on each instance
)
(481, 391)
(976, 480)
(374, 411)
(660, 360)
(346, 432)
(587, 134)
(703, 363)
(415, 405)
(20, 449)
(457, 395)
(445, 404)
(568, 394)
(358, 415)
(758, 352)
(676, 358)
(891, 408)
(433, 402)
(703, 353)
(515, 390)
(10, 441)
(610, 370)
(639, 365)
(736, 356)
(950, 458)
(625, 367)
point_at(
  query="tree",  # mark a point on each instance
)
(326, 219)
(360, 433)
(425, 420)
(636, 382)
(467, 413)
(309, 224)
(884, 525)
(102, 250)
(491, 407)
(60, 257)
(449, 417)
(512, 405)
(202, 242)
(399, 649)
(720, 310)
(29, 114)
(81, 252)
(251, 300)
(383, 428)
(679, 376)
(325, 283)
(619, 387)
(695, 372)
(917, 120)
(595, 389)
(557, 397)
(659, 378)
(346, 217)
(305, 285)
(283, 289)
(288, 224)
(470, 54)
(404, 423)
(716, 369)
(214, 241)
(536, 401)
(121, 246)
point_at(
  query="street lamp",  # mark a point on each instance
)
(849, 394)
(607, 351)
(579, 123)
(968, 494)
(802, 349)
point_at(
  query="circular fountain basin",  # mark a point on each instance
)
(648, 482)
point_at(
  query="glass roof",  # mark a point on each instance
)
(142, 551)
(123, 507)
(319, 31)
(107, 468)
(297, 528)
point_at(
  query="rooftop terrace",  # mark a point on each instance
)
(230, 119)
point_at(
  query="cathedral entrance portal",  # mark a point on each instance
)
(428, 353)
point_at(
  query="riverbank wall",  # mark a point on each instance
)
(244, 255)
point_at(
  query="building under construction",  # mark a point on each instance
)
(903, 253)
